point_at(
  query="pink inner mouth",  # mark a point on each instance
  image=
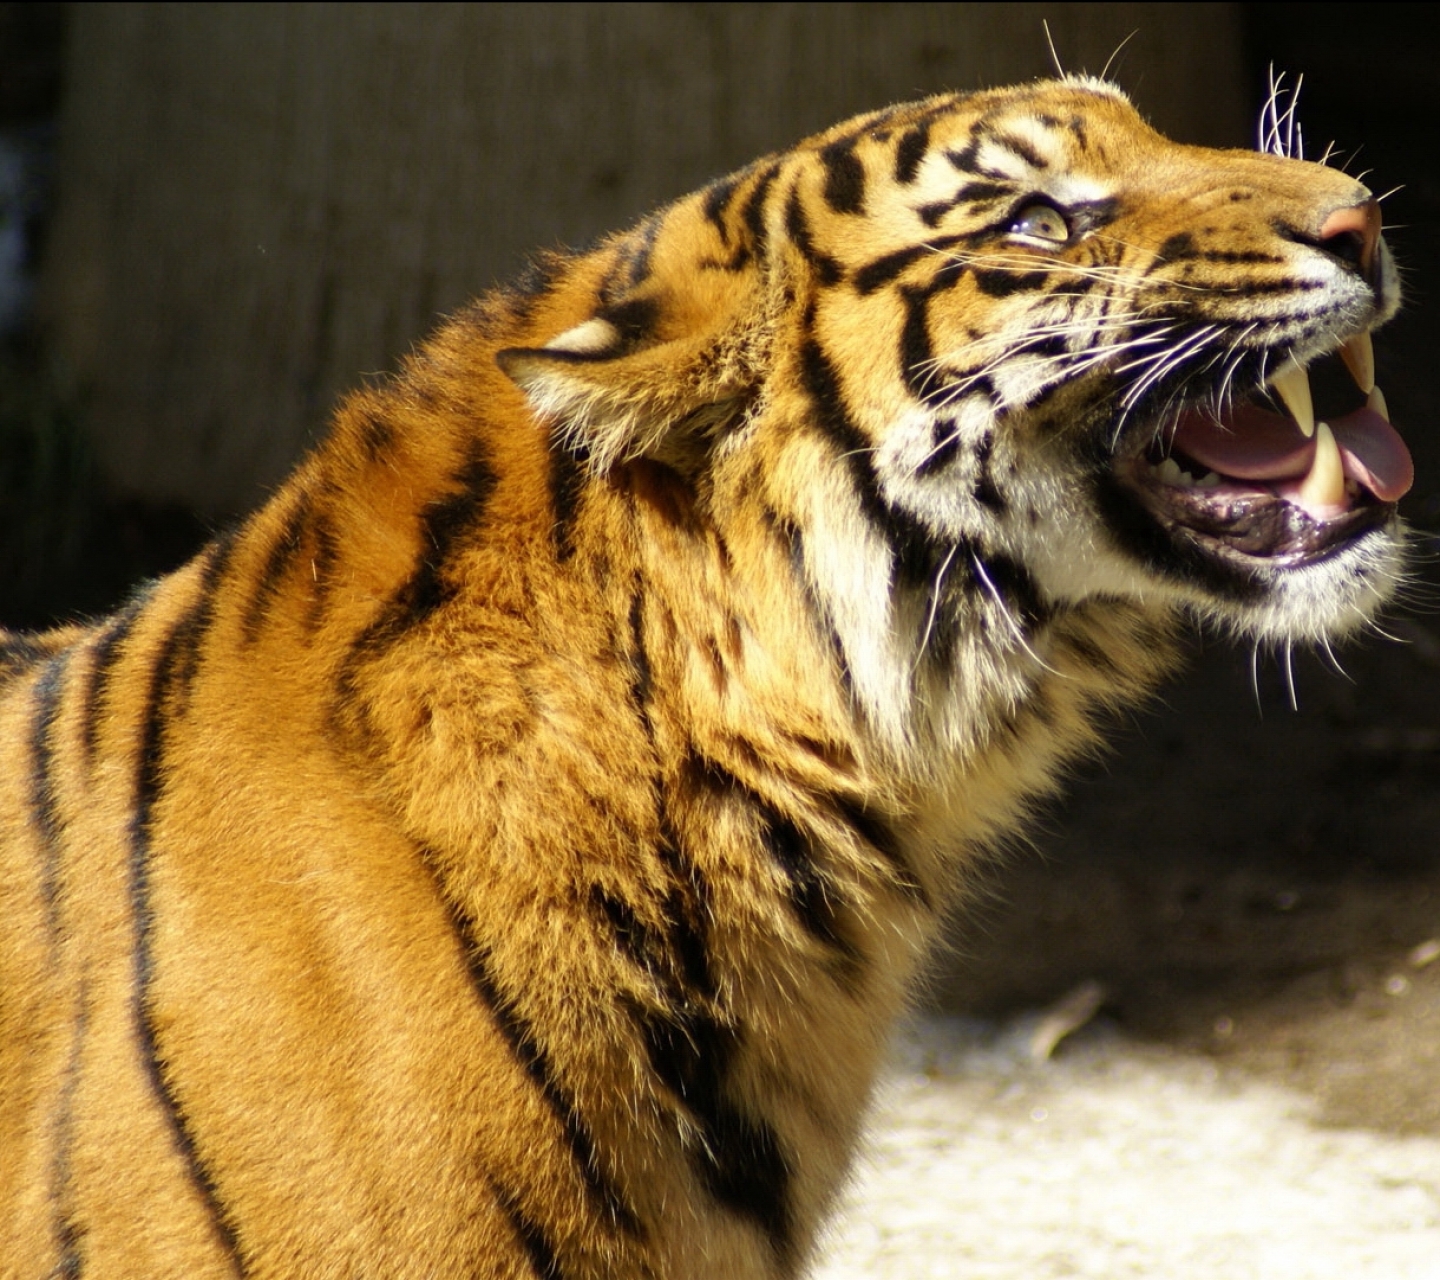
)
(1258, 445)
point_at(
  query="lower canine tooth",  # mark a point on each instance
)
(1324, 486)
(1292, 385)
(1170, 471)
(1359, 356)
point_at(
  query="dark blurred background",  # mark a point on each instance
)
(213, 219)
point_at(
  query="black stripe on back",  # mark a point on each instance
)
(68, 1233)
(323, 559)
(166, 682)
(68, 1230)
(108, 649)
(278, 559)
(533, 1060)
(443, 524)
(44, 796)
(21, 653)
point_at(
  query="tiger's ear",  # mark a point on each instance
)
(632, 381)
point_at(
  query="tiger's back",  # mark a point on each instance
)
(505, 853)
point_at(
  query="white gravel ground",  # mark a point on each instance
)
(1118, 1160)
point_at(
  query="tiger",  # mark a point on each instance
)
(506, 853)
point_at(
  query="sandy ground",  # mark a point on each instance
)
(1120, 1159)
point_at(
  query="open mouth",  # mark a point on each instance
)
(1279, 482)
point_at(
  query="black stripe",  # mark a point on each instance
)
(277, 562)
(967, 160)
(149, 781)
(533, 1059)
(753, 213)
(1022, 149)
(192, 634)
(537, 1245)
(22, 653)
(917, 353)
(323, 560)
(844, 189)
(641, 676)
(687, 913)
(874, 831)
(945, 444)
(1240, 257)
(911, 151)
(975, 194)
(828, 271)
(717, 200)
(738, 1157)
(377, 433)
(885, 268)
(987, 492)
(108, 650)
(815, 901)
(44, 804)
(918, 552)
(1091, 653)
(69, 1231)
(44, 797)
(1002, 284)
(567, 484)
(1017, 589)
(443, 523)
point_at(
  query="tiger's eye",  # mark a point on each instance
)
(1041, 222)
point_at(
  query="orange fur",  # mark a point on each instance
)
(504, 855)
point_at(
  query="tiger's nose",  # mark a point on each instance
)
(1353, 235)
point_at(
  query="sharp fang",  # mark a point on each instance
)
(1376, 401)
(1324, 486)
(1292, 385)
(1359, 356)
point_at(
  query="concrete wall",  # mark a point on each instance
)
(259, 204)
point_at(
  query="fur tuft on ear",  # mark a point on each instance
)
(659, 367)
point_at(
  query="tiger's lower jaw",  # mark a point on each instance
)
(1251, 558)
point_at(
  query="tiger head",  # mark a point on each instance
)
(1015, 349)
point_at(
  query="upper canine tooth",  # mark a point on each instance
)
(1324, 485)
(1376, 401)
(1359, 356)
(1292, 385)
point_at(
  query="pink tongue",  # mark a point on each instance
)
(1254, 444)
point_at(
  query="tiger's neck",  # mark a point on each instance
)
(662, 718)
